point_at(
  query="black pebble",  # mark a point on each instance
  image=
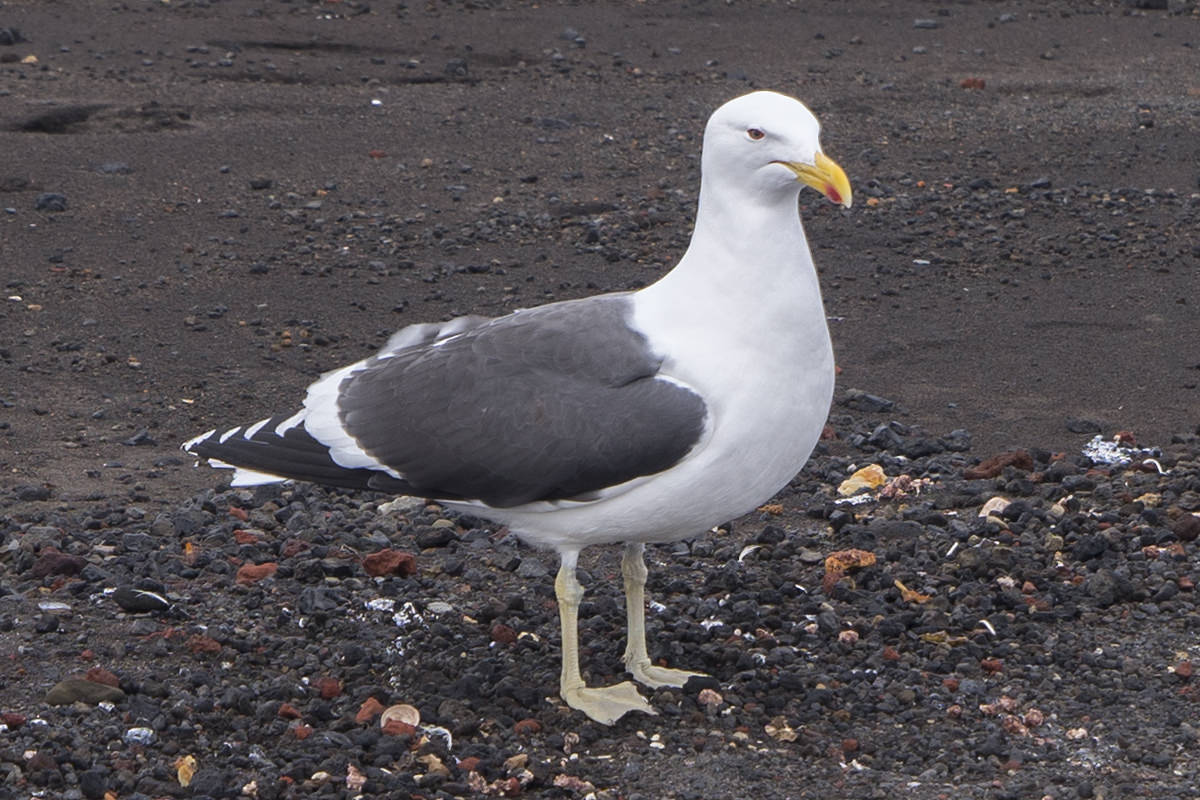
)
(1078, 425)
(140, 439)
(50, 201)
(435, 537)
(93, 784)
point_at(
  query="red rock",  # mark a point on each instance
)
(369, 710)
(390, 562)
(992, 665)
(951, 684)
(288, 711)
(502, 634)
(238, 513)
(972, 83)
(52, 562)
(253, 573)
(890, 653)
(396, 727)
(469, 764)
(198, 643)
(329, 688)
(12, 719)
(242, 536)
(991, 467)
(301, 731)
(1186, 583)
(101, 675)
(849, 746)
(527, 727)
(1184, 669)
(293, 547)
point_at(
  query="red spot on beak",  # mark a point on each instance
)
(832, 193)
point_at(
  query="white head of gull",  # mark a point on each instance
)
(633, 417)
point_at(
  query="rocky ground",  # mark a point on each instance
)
(206, 204)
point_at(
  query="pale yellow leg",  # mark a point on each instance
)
(637, 660)
(605, 704)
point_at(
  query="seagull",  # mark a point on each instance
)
(621, 418)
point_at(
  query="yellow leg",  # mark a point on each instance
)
(637, 660)
(605, 704)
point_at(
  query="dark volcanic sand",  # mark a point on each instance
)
(255, 192)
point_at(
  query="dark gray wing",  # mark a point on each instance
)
(549, 403)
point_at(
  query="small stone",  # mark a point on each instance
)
(390, 562)
(369, 710)
(140, 439)
(104, 676)
(80, 690)
(93, 784)
(288, 711)
(532, 569)
(27, 493)
(1080, 425)
(991, 467)
(1106, 587)
(861, 401)
(249, 574)
(503, 634)
(395, 727)
(52, 562)
(1186, 528)
(435, 536)
(199, 643)
(926, 24)
(527, 727)
(12, 719)
(1089, 546)
(50, 201)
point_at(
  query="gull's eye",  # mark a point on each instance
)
(755, 134)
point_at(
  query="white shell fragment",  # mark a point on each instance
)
(402, 712)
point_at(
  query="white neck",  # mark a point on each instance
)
(745, 255)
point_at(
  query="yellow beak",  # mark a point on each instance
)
(825, 176)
